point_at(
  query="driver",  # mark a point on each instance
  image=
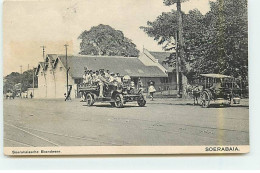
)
(217, 85)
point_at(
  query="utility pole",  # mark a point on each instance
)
(28, 67)
(177, 65)
(21, 70)
(67, 70)
(43, 56)
(33, 81)
(43, 52)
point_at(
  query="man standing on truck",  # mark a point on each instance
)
(88, 77)
(107, 74)
(118, 78)
(101, 82)
(112, 77)
(95, 77)
(84, 77)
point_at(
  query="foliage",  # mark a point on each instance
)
(27, 80)
(15, 78)
(228, 53)
(105, 40)
(214, 43)
(171, 2)
(10, 81)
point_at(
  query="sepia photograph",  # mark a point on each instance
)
(125, 77)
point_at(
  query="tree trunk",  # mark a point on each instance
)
(181, 58)
(180, 35)
(177, 66)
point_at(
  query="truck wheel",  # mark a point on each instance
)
(141, 101)
(94, 96)
(89, 99)
(205, 100)
(119, 101)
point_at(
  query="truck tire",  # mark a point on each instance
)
(89, 99)
(119, 101)
(141, 101)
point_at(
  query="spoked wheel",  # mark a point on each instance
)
(89, 99)
(119, 101)
(205, 100)
(141, 101)
(229, 103)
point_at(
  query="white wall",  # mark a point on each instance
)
(61, 81)
(41, 84)
(55, 84)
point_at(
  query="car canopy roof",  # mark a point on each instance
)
(212, 75)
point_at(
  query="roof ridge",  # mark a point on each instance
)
(96, 56)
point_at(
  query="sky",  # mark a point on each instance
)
(27, 25)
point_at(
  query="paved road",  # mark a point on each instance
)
(32, 122)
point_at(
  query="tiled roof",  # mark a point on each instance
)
(131, 66)
(52, 57)
(161, 56)
(40, 65)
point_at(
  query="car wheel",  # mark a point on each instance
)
(205, 100)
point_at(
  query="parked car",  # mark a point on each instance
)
(217, 89)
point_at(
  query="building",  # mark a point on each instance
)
(52, 73)
(150, 58)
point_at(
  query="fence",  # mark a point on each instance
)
(163, 90)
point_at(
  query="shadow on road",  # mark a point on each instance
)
(197, 105)
(110, 107)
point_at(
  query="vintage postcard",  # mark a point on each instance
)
(125, 77)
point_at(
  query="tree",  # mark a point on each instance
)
(164, 30)
(213, 43)
(181, 64)
(25, 80)
(105, 40)
(10, 81)
(228, 26)
(181, 59)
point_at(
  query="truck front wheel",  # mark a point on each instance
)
(89, 99)
(141, 101)
(119, 101)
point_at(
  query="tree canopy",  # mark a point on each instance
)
(171, 2)
(25, 79)
(214, 43)
(105, 40)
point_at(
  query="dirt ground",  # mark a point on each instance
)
(35, 122)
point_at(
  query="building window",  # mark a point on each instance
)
(60, 68)
(41, 73)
